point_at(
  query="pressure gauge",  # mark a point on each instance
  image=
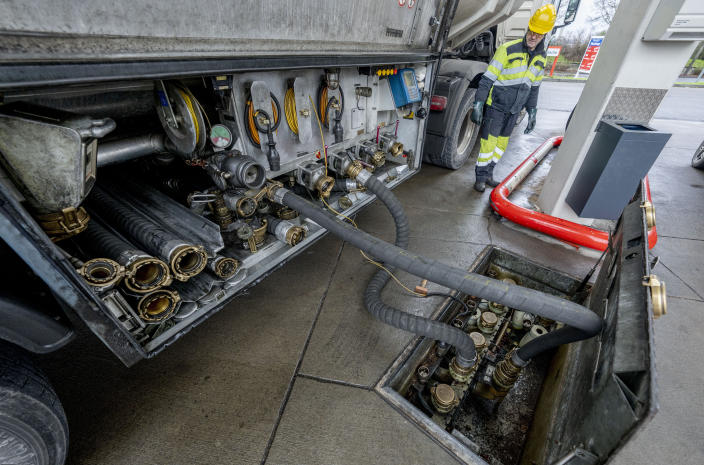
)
(220, 136)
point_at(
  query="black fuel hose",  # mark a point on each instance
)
(146, 232)
(100, 239)
(584, 322)
(556, 338)
(464, 345)
(184, 258)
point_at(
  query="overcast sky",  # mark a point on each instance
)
(585, 11)
(582, 21)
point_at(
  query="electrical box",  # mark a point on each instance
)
(620, 156)
(677, 20)
(404, 87)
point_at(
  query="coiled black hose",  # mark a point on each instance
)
(464, 345)
(584, 322)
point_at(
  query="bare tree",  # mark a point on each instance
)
(573, 43)
(604, 11)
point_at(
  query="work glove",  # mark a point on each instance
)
(531, 119)
(477, 110)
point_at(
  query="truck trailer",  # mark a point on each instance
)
(158, 159)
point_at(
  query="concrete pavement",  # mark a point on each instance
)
(285, 374)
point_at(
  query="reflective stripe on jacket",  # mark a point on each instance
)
(512, 80)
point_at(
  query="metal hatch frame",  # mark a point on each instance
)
(598, 392)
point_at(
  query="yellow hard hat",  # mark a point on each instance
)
(543, 20)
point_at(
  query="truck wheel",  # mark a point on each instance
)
(461, 136)
(33, 427)
(698, 158)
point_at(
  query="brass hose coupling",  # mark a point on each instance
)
(187, 260)
(289, 233)
(102, 273)
(158, 306)
(324, 185)
(396, 149)
(64, 224)
(444, 398)
(378, 158)
(354, 169)
(145, 273)
(649, 213)
(271, 191)
(658, 294)
(223, 267)
(506, 373)
(461, 370)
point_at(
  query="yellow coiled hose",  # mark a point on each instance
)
(251, 128)
(290, 110)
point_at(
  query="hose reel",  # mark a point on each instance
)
(181, 117)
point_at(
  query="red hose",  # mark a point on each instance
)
(568, 231)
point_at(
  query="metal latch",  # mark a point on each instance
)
(649, 213)
(657, 294)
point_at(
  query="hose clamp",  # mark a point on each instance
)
(363, 177)
(281, 230)
(278, 195)
(518, 361)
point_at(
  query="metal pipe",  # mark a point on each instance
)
(568, 231)
(118, 151)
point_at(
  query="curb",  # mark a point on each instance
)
(583, 80)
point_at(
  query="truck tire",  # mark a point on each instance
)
(461, 136)
(698, 158)
(33, 427)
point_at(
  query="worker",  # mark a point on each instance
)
(509, 84)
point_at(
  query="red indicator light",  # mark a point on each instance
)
(438, 103)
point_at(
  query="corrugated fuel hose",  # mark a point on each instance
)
(582, 322)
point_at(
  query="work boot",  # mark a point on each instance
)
(490, 178)
(480, 184)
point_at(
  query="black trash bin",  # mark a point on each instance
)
(620, 156)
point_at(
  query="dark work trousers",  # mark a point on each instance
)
(496, 129)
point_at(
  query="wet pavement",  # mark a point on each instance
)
(285, 375)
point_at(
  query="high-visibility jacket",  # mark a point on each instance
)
(513, 78)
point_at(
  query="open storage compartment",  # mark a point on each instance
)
(577, 405)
